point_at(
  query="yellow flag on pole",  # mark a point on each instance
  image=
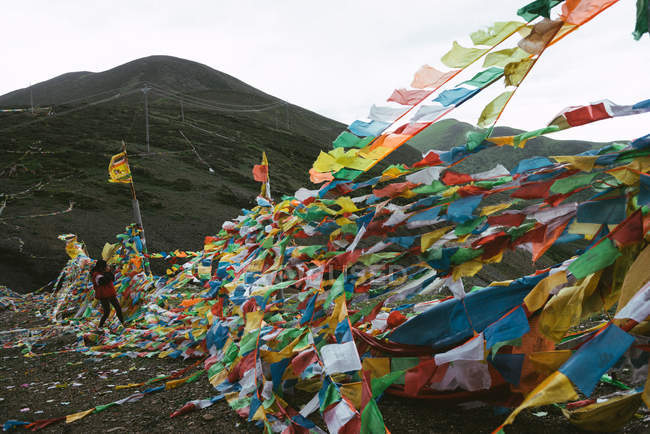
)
(118, 169)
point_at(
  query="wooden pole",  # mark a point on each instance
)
(136, 212)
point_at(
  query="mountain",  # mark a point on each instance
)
(60, 154)
(167, 71)
(447, 133)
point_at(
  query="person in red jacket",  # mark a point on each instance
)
(103, 277)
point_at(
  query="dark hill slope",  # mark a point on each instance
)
(448, 133)
(49, 160)
(178, 74)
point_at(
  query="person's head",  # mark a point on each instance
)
(100, 265)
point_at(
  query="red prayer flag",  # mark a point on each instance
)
(408, 97)
(506, 219)
(629, 231)
(261, 172)
(587, 114)
(430, 159)
(415, 378)
(300, 362)
(454, 178)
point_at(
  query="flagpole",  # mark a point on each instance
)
(136, 213)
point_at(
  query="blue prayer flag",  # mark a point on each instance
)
(593, 359)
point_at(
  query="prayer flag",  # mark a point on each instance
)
(118, 169)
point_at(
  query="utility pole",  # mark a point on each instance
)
(146, 89)
(31, 98)
(136, 210)
(286, 112)
(182, 112)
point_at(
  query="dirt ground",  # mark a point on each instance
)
(59, 384)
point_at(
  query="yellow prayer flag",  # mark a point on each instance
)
(339, 313)
(253, 320)
(491, 209)
(426, 240)
(608, 416)
(346, 204)
(637, 276)
(352, 391)
(496, 33)
(219, 377)
(460, 57)
(556, 388)
(502, 141)
(549, 361)
(494, 108)
(377, 366)
(539, 294)
(580, 162)
(466, 269)
(118, 169)
(175, 383)
(502, 57)
(589, 230)
(516, 71)
(566, 308)
(326, 163)
(76, 416)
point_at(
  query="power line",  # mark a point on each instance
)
(63, 113)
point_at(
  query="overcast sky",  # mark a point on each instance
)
(334, 57)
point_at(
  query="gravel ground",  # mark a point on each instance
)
(58, 384)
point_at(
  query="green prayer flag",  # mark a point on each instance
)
(475, 138)
(460, 57)
(570, 183)
(382, 383)
(465, 254)
(371, 420)
(236, 404)
(491, 111)
(310, 250)
(288, 336)
(332, 395)
(518, 231)
(523, 137)
(516, 71)
(373, 258)
(467, 227)
(215, 369)
(231, 354)
(503, 57)
(347, 174)
(594, 259)
(104, 407)
(195, 377)
(485, 77)
(335, 290)
(493, 182)
(642, 19)
(496, 33)
(435, 187)
(348, 140)
(248, 343)
(537, 8)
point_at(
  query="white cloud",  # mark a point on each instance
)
(336, 57)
